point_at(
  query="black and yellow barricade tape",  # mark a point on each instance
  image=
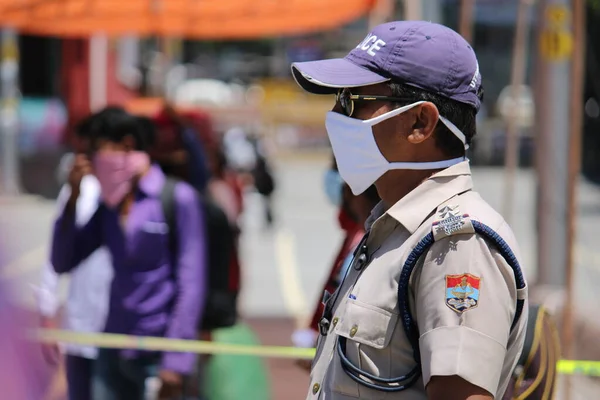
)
(109, 340)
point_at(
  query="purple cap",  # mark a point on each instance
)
(429, 56)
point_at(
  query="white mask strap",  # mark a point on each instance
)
(426, 165)
(390, 114)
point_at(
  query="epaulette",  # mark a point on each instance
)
(450, 220)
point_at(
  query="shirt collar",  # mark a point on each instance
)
(152, 182)
(416, 206)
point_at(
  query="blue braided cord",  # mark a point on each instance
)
(410, 378)
(410, 328)
(503, 248)
(506, 252)
(347, 363)
(373, 386)
(491, 236)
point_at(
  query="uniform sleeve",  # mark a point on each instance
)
(190, 277)
(465, 300)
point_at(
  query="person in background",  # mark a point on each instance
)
(353, 212)
(359, 207)
(220, 186)
(87, 304)
(264, 181)
(180, 148)
(225, 192)
(156, 290)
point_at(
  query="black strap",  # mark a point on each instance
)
(534, 316)
(168, 203)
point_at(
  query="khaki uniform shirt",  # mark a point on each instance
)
(475, 343)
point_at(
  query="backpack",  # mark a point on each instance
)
(220, 310)
(534, 376)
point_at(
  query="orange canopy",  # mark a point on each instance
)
(200, 19)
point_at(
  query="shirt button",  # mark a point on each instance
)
(335, 321)
(353, 330)
(316, 388)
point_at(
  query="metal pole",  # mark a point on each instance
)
(576, 95)
(9, 113)
(519, 66)
(382, 12)
(428, 10)
(466, 19)
(412, 10)
(98, 72)
(552, 141)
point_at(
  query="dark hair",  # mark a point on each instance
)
(118, 126)
(91, 125)
(149, 129)
(460, 114)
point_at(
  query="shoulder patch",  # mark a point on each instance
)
(450, 221)
(462, 292)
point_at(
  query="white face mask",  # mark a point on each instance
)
(358, 158)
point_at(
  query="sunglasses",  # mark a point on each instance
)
(347, 99)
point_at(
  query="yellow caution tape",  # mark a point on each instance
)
(578, 367)
(114, 341)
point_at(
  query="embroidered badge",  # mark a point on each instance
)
(451, 220)
(462, 292)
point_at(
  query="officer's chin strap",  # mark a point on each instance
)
(410, 328)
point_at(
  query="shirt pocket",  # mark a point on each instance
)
(149, 249)
(367, 331)
(366, 324)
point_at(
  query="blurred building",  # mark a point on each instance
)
(55, 82)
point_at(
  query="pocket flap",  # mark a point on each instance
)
(366, 324)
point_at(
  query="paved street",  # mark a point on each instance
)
(283, 267)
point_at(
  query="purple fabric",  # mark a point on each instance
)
(24, 375)
(423, 54)
(149, 295)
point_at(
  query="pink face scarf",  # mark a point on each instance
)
(115, 172)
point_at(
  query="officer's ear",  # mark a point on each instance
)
(426, 117)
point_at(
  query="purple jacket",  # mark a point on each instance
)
(150, 294)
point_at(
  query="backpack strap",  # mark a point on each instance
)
(168, 203)
(452, 222)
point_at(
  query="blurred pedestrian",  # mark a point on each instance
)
(263, 179)
(179, 148)
(224, 190)
(156, 290)
(87, 303)
(353, 212)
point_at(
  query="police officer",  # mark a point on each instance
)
(434, 305)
